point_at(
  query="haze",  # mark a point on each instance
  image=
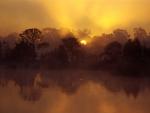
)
(96, 15)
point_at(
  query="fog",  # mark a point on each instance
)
(97, 15)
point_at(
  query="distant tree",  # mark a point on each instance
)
(51, 40)
(71, 43)
(61, 55)
(133, 49)
(121, 35)
(6, 50)
(23, 52)
(56, 58)
(140, 34)
(113, 51)
(72, 47)
(25, 49)
(31, 35)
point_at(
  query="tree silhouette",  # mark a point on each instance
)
(121, 35)
(23, 53)
(61, 55)
(133, 50)
(31, 35)
(62, 49)
(112, 52)
(72, 47)
(71, 42)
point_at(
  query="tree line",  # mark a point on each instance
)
(52, 48)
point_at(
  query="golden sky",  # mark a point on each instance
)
(97, 15)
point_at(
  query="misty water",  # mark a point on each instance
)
(72, 91)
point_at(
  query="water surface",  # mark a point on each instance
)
(70, 91)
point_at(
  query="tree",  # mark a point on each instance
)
(61, 55)
(113, 51)
(23, 53)
(121, 35)
(133, 50)
(140, 34)
(72, 47)
(31, 35)
(70, 42)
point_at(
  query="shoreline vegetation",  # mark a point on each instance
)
(55, 49)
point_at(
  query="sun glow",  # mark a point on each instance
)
(97, 15)
(108, 21)
(83, 42)
(100, 16)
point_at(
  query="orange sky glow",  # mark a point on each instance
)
(97, 15)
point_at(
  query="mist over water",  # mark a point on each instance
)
(74, 56)
(70, 91)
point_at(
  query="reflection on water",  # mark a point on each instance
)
(26, 91)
